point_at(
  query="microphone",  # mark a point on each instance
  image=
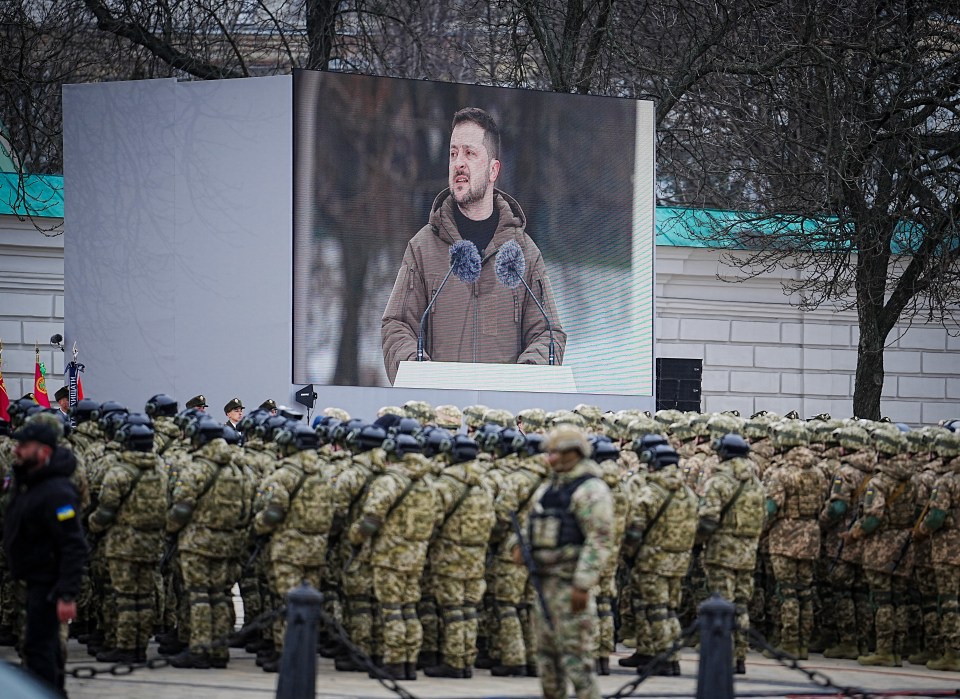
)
(465, 264)
(510, 267)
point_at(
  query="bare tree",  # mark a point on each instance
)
(849, 155)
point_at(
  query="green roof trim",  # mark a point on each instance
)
(33, 196)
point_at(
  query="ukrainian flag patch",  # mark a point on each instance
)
(64, 513)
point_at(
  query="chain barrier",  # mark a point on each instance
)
(89, 672)
(647, 670)
(362, 659)
(815, 676)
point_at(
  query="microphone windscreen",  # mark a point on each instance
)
(465, 261)
(511, 265)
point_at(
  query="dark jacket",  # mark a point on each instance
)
(480, 322)
(42, 535)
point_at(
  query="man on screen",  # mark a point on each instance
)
(484, 321)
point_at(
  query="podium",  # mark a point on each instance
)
(469, 376)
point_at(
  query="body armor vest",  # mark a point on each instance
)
(552, 524)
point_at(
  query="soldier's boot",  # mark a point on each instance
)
(662, 669)
(190, 661)
(880, 659)
(446, 671)
(638, 659)
(427, 658)
(603, 666)
(483, 661)
(949, 662)
(843, 651)
(922, 657)
(741, 667)
(395, 671)
(410, 671)
(272, 664)
(509, 671)
(344, 663)
(532, 670)
(117, 655)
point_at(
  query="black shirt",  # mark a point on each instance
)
(480, 233)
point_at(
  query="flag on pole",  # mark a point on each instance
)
(40, 382)
(4, 398)
(74, 383)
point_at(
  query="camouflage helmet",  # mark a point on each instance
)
(668, 417)
(567, 417)
(473, 414)
(420, 410)
(498, 416)
(947, 444)
(852, 437)
(591, 413)
(699, 424)
(391, 410)
(821, 430)
(918, 441)
(719, 425)
(533, 419)
(336, 413)
(757, 427)
(889, 442)
(449, 417)
(642, 425)
(49, 421)
(614, 424)
(682, 430)
(787, 434)
(566, 437)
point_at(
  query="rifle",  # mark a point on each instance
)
(168, 552)
(258, 544)
(531, 567)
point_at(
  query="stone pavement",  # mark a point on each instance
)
(243, 680)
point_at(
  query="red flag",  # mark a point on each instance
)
(4, 400)
(79, 388)
(40, 386)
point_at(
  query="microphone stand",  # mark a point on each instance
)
(426, 312)
(552, 359)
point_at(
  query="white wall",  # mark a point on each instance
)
(31, 303)
(761, 353)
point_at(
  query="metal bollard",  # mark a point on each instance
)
(298, 665)
(715, 674)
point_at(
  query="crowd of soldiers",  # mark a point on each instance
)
(832, 536)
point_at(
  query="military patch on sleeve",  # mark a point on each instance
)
(838, 485)
(868, 497)
(64, 513)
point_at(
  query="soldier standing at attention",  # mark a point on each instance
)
(570, 534)
(731, 518)
(796, 490)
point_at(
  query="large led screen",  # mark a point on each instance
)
(446, 231)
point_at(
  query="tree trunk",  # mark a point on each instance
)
(321, 32)
(355, 277)
(869, 378)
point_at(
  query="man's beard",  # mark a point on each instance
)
(475, 193)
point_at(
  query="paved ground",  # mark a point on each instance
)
(243, 680)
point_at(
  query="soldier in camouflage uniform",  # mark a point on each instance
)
(885, 522)
(368, 463)
(607, 457)
(796, 490)
(458, 551)
(570, 539)
(659, 541)
(211, 510)
(731, 516)
(398, 516)
(9, 622)
(844, 572)
(162, 409)
(297, 508)
(523, 475)
(942, 525)
(131, 510)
